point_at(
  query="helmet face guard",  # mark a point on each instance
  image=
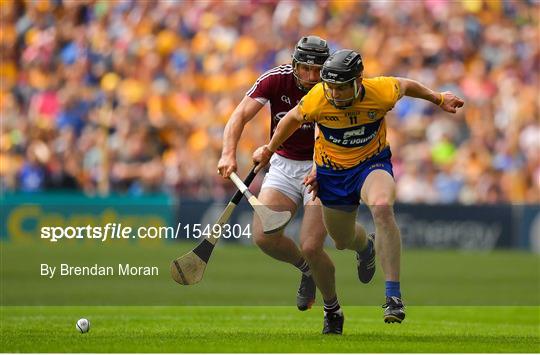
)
(311, 51)
(299, 80)
(341, 102)
(339, 72)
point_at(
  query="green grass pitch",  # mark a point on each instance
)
(456, 302)
(268, 329)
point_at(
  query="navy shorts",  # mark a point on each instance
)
(340, 189)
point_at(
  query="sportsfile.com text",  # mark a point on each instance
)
(111, 231)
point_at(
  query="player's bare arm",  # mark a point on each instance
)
(285, 128)
(446, 100)
(243, 113)
(311, 179)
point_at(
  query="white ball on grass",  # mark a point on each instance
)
(83, 325)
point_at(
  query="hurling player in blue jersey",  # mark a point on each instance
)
(353, 158)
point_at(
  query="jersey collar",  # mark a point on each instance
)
(363, 92)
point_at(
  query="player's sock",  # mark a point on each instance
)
(303, 266)
(392, 289)
(332, 306)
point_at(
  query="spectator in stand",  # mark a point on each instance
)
(133, 96)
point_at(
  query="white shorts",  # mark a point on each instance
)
(287, 176)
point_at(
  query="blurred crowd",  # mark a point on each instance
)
(132, 96)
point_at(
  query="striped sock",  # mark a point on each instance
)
(303, 266)
(332, 306)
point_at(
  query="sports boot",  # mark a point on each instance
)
(306, 293)
(394, 310)
(366, 266)
(333, 323)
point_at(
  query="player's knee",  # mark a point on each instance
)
(383, 212)
(311, 251)
(265, 242)
(382, 200)
(342, 244)
(262, 242)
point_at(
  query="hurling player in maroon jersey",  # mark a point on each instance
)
(283, 87)
(283, 188)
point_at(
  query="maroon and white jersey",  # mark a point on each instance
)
(278, 87)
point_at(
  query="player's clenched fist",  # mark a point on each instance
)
(226, 165)
(450, 102)
(261, 157)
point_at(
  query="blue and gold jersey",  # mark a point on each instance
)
(349, 136)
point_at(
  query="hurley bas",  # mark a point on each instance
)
(98, 270)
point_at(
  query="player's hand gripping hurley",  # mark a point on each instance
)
(189, 268)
